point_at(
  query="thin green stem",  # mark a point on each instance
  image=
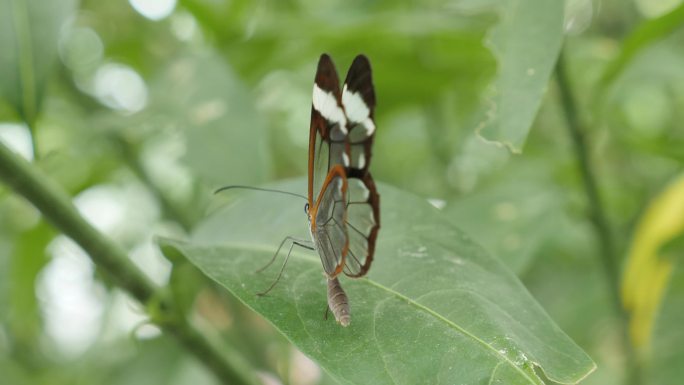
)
(26, 70)
(597, 214)
(56, 206)
(596, 210)
(34, 142)
(26, 63)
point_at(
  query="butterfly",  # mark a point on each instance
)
(343, 203)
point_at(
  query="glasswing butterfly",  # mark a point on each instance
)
(343, 205)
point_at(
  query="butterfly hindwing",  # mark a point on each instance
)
(363, 223)
(328, 223)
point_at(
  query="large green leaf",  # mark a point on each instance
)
(435, 307)
(526, 43)
(29, 30)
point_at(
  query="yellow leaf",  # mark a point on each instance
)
(647, 270)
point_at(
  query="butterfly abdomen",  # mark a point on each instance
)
(338, 302)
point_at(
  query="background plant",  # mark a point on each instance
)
(136, 114)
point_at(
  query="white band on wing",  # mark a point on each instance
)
(326, 104)
(357, 110)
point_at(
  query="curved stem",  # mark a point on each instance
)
(597, 215)
(56, 206)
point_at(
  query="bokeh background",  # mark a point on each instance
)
(152, 104)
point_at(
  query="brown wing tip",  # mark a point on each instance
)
(360, 79)
(361, 61)
(326, 75)
(324, 60)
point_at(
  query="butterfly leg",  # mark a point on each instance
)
(288, 238)
(297, 242)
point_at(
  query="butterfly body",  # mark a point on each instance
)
(343, 203)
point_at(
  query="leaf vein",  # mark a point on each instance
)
(451, 324)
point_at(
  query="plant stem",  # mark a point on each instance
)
(34, 143)
(597, 215)
(596, 210)
(56, 206)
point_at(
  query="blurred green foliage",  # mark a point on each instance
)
(140, 119)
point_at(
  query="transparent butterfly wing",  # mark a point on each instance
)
(363, 201)
(363, 223)
(340, 144)
(328, 227)
(328, 157)
(328, 144)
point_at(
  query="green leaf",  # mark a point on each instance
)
(568, 267)
(645, 34)
(431, 292)
(27, 260)
(667, 352)
(512, 217)
(29, 30)
(526, 43)
(155, 353)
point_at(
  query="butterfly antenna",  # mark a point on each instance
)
(224, 188)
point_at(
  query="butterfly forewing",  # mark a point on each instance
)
(358, 99)
(363, 214)
(328, 144)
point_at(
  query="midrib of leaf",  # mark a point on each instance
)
(253, 247)
(449, 323)
(26, 64)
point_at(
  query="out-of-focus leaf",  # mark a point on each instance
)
(430, 293)
(226, 137)
(439, 48)
(642, 107)
(667, 346)
(512, 217)
(673, 247)
(526, 43)
(567, 267)
(643, 36)
(28, 259)
(158, 361)
(648, 270)
(5, 252)
(435, 65)
(29, 30)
